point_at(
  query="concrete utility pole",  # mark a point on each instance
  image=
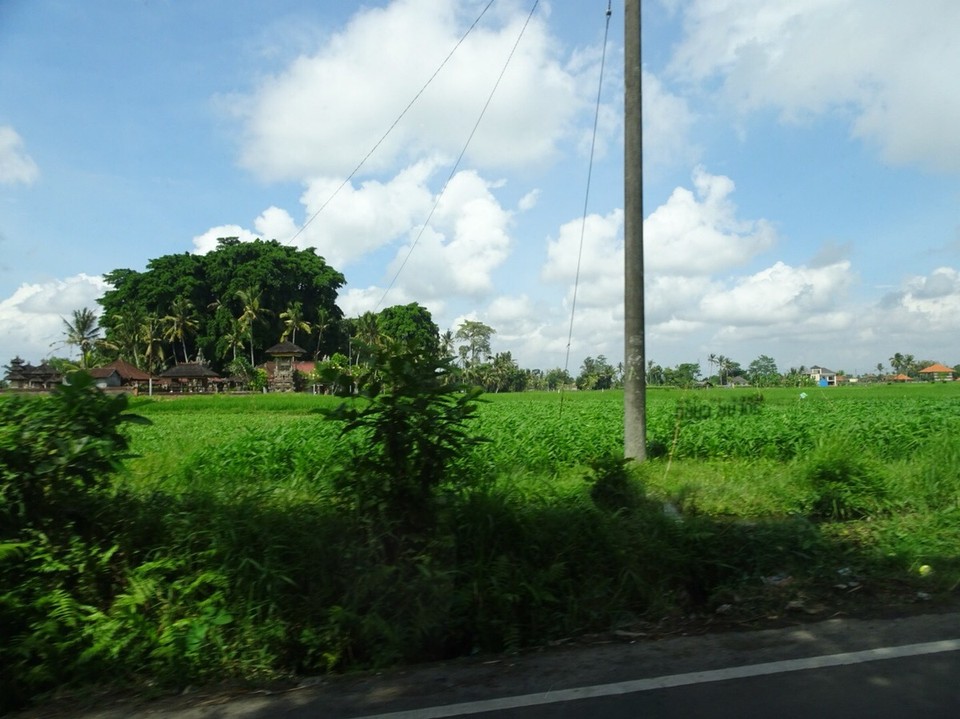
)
(635, 380)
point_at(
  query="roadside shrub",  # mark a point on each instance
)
(845, 483)
(57, 454)
(55, 451)
(611, 485)
(409, 432)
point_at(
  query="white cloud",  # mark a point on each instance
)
(667, 120)
(885, 65)
(688, 239)
(699, 233)
(930, 304)
(779, 294)
(16, 166)
(32, 317)
(467, 240)
(326, 111)
(455, 255)
(529, 201)
(600, 260)
(360, 219)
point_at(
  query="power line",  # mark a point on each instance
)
(392, 126)
(586, 198)
(456, 164)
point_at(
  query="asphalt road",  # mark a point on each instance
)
(909, 688)
(907, 667)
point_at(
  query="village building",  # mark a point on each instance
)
(189, 377)
(120, 374)
(282, 370)
(823, 377)
(937, 373)
(24, 376)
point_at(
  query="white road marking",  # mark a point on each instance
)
(673, 680)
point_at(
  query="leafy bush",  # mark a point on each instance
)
(55, 451)
(845, 483)
(409, 431)
(56, 457)
(611, 486)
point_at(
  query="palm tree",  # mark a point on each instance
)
(723, 365)
(293, 320)
(125, 337)
(232, 338)
(151, 335)
(253, 310)
(446, 343)
(896, 362)
(181, 321)
(322, 323)
(82, 332)
(368, 331)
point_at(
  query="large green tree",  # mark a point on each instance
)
(411, 325)
(684, 374)
(212, 283)
(763, 372)
(475, 338)
(595, 373)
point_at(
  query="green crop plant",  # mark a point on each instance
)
(845, 482)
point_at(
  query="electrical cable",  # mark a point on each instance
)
(392, 126)
(586, 198)
(456, 165)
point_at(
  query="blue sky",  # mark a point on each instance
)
(801, 169)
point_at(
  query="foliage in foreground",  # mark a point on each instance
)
(265, 554)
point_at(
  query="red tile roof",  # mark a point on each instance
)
(937, 368)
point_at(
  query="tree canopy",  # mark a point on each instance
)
(241, 290)
(413, 326)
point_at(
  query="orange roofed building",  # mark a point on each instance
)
(937, 373)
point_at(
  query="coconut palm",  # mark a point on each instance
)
(253, 310)
(181, 321)
(124, 337)
(232, 339)
(723, 366)
(321, 325)
(367, 331)
(151, 337)
(82, 332)
(446, 344)
(292, 321)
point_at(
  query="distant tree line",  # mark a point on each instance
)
(228, 307)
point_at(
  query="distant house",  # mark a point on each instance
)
(937, 373)
(119, 374)
(901, 378)
(737, 382)
(189, 377)
(105, 377)
(823, 377)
